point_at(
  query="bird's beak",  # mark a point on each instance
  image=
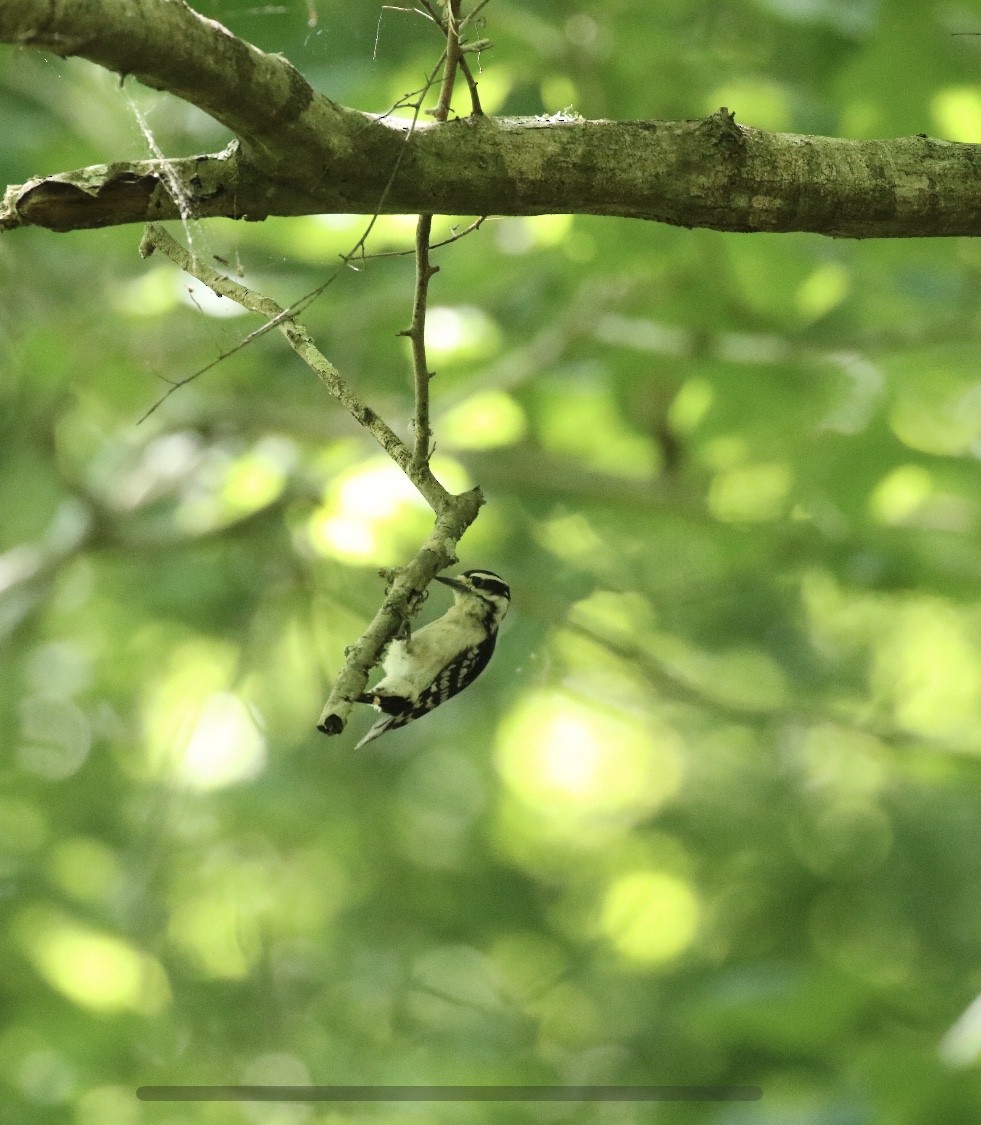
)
(453, 583)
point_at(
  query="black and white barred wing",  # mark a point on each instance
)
(458, 674)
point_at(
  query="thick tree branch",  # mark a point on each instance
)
(670, 172)
(166, 45)
(301, 153)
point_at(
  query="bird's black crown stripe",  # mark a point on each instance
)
(488, 581)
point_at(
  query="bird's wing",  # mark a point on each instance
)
(453, 678)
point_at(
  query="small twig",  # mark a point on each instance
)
(438, 20)
(417, 110)
(448, 241)
(475, 11)
(416, 333)
(475, 107)
(451, 60)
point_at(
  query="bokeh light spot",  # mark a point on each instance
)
(650, 916)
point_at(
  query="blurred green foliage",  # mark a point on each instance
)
(713, 815)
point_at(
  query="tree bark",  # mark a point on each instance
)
(298, 152)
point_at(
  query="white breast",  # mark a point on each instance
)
(411, 666)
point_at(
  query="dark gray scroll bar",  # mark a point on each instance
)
(449, 1093)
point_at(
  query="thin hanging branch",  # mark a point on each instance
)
(454, 514)
(416, 331)
(457, 513)
(156, 238)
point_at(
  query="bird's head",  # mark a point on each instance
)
(483, 590)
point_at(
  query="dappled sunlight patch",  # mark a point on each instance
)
(225, 746)
(198, 733)
(164, 464)
(343, 537)
(604, 442)
(558, 92)
(859, 397)
(841, 622)
(956, 110)
(927, 666)
(361, 509)
(750, 493)
(93, 969)
(924, 653)
(727, 451)
(85, 868)
(842, 762)
(372, 512)
(627, 613)
(740, 676)
(570, 537)
(484, 421)
(319, 238)
(389, 233)
(211, 930)
(757, 102)
(928, 423)
(690, 405)
(55, 737)
(521, 234)
(936, 399)
(150, 294)
(45, 1076)
(642, 334)
(649, 917)
(496, 82)
(198, 296)
(900, 493)
(257, 478)
(99, 1104)
(228, 485)
(277, 1069)
(460, 334)
(822, 291)
(224, 914)
(575, 767)
(961, 1044)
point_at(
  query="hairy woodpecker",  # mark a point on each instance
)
(444, 657)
